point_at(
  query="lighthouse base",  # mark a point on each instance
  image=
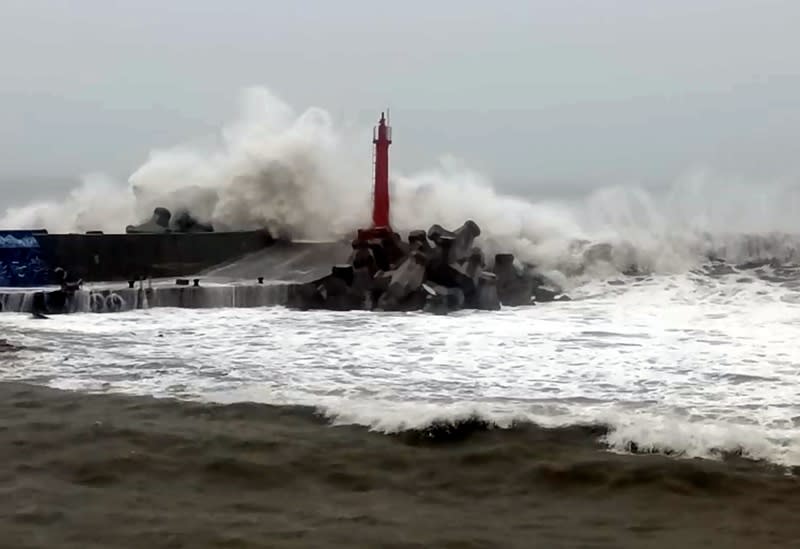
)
(375, 233)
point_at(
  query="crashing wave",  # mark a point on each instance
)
(297, 173)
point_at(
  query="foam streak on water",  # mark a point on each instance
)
(693, 365)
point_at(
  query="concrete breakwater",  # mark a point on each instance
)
(28, 258)
(113, 300)
(438, 271)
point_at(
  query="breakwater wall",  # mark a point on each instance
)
(29, 258)
(114, 300)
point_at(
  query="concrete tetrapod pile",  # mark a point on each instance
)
(439, 272)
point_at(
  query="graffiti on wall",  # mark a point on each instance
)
(21, 260)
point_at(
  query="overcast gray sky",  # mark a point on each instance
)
(562, 91)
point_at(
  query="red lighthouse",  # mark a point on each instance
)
(382, 138)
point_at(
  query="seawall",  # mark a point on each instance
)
(120, 299)
(120, 257)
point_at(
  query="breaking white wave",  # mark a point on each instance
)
(665, 432)
(297, 172)
(682, 364)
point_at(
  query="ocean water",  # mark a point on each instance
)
(690, 365)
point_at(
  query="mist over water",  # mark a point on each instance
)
(298, 173)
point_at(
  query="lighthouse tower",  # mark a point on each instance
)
(381, 138)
